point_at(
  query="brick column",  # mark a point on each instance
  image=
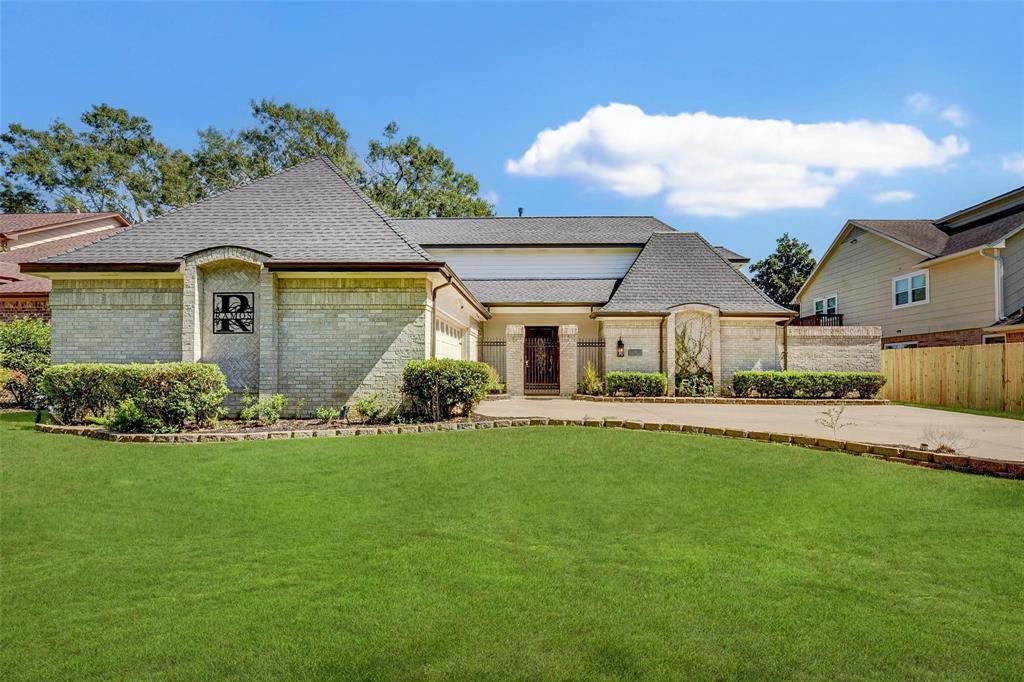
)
(267, 325)
(191, 312)
(515, 339)
(567, 351)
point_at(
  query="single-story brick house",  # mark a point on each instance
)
(25, 237)
(297, 283)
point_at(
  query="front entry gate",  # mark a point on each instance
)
(541, 360)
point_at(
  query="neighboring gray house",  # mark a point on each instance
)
(958, 280)
(297, 283)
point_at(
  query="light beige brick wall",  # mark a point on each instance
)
(238, 355)
(567, 351)
(515, 371)
(341, 339)
(748, 344)
(642, 336)
(117, 320)
(834, 349)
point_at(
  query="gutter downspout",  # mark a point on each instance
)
(433, 315)
(998, 260)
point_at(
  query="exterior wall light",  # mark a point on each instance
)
(620, 348)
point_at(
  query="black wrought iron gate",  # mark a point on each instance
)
(541, 359)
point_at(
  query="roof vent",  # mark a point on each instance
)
(520, 211)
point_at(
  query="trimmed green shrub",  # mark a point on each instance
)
(265, 411)
(25, 353)
(636, 383)
(173, 394)
(439, 389)
(807, 384)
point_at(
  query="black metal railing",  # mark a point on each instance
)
(833, 320)
(589, 351)
(492, 351)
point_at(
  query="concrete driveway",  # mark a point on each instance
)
(992, 437)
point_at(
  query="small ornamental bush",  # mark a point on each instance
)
(25, 355)
(128, 418)
(327, 414)
(369, 407)
(591, 384)
(440, 389)
(172, 395)
(266, 411)
(807, 384)
(645, 384)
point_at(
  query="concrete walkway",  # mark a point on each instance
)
(991, 437)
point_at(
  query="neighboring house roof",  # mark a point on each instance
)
(679, 268)
(540, 231)
(310, 212)
(533, 291)
(732, 256)
(14, 223)
(26, 284)
(922, 235)
(972, 228)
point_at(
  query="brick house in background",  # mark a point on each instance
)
(957, 280)
(26, 237)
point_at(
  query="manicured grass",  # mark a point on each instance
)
(967, 410)
(549, 553)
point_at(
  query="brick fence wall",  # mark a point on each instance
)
(955, 337)
(839, 349)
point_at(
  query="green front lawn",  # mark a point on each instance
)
(526, 553)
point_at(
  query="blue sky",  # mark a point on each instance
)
(814, 112)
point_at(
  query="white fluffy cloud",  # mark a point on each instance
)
(1014, 163)
(894, 196)
(955, 115)
(726, 166)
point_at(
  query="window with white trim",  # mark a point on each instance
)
(827, 306)
(902, 344)
(993, 338)
(910, 289)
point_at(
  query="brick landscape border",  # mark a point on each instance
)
(729, 401)
(923, 458)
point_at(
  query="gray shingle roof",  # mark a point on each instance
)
(937, 239)
(532, 231)
(523, 291)
(731, 256)
(306, 212)
(679, 268)
(920, 234)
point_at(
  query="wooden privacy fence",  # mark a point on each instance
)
(986, 377)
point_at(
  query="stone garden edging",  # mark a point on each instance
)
(730, 401)
(924, 458)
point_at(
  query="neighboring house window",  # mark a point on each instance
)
(826, 306)
(993, 338)
(904, 344)
(910, 289)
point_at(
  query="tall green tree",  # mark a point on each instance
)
(782, 273)
(408, 179)
(112, 164)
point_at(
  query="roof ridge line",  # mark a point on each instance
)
(416, 248)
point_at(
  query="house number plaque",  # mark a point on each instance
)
(233, 313)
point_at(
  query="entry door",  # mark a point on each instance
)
(541, 359)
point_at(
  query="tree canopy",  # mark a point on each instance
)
(782, 273)
(113, 162)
